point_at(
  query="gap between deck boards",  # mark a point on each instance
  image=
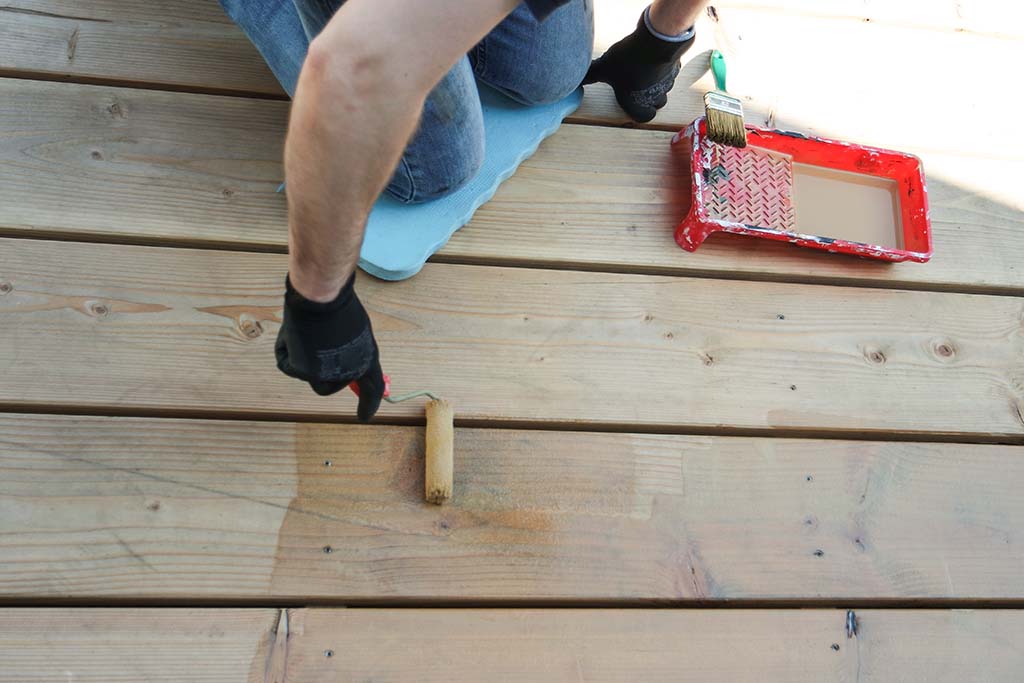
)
(46, 234)
(343, 418)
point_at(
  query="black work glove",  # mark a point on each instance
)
(642, 68)
(331, 345)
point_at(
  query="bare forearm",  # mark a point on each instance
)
(345, 137)
(357, 104)
(672, 17)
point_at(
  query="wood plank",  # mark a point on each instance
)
(572, 645)
(776, 49)
(92, 645)
(172, 43)
(99, 508)
(116, 164)
(663, 646)
(138, 645)
(128, 328)
(192, 44)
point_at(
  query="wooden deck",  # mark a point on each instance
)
(831, 447)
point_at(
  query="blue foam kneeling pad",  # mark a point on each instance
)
(401, 237)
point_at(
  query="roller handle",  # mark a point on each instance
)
(440, 461)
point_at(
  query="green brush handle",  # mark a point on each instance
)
(718, 69)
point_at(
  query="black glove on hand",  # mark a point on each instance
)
(642, 68)
(331, 345)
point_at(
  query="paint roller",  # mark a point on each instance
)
(440, 439)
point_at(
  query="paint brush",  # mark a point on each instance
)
(724, 113)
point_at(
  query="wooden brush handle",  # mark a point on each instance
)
(440, 451)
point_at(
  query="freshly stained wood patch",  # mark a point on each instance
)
(136, 328)
(101, 508)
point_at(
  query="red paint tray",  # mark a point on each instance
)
(809, 191)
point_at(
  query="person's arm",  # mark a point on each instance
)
(357, 103)
(642, 67)
(673, 17)
(358, 100)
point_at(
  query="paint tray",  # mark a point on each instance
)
(809, 191)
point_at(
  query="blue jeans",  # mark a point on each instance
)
(532, 62)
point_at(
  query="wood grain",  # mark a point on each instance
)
(172, 43)
(137, 645)
(98, 508)
(116, 164)
(124, 328)
(214, 646)
(664, 645)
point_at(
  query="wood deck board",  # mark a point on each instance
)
(115, 164)
(251, 646)
(179, 43)
(112, 327)
(97, 508)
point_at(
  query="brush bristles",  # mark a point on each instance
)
(724, 116)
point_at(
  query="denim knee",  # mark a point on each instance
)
(537, 62)
(275, 29)
(447, 150)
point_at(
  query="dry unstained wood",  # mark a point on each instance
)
(227, 645)
(661, 645)
(192, 44)
(137, 645)
(124, 328)
(129, 509)
(116, 164)
(177, 43)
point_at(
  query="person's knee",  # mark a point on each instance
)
(545, 88)
(447, 150)
(535, 62)
(450, 170)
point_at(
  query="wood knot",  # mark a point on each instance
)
(713, 13)
(707, 359)
(648, 317)
(6, 288)
(669, 336)
(227, 193)
(945, 349)
(780, 316)
(96, 154)
(115, 110)
(792, 387)
(835, 646)
(819, 553)
(328, 550)
(874, 356)
(99, 310)
(251, 328)
(154, 506)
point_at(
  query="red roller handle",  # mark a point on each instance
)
(354, 386)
